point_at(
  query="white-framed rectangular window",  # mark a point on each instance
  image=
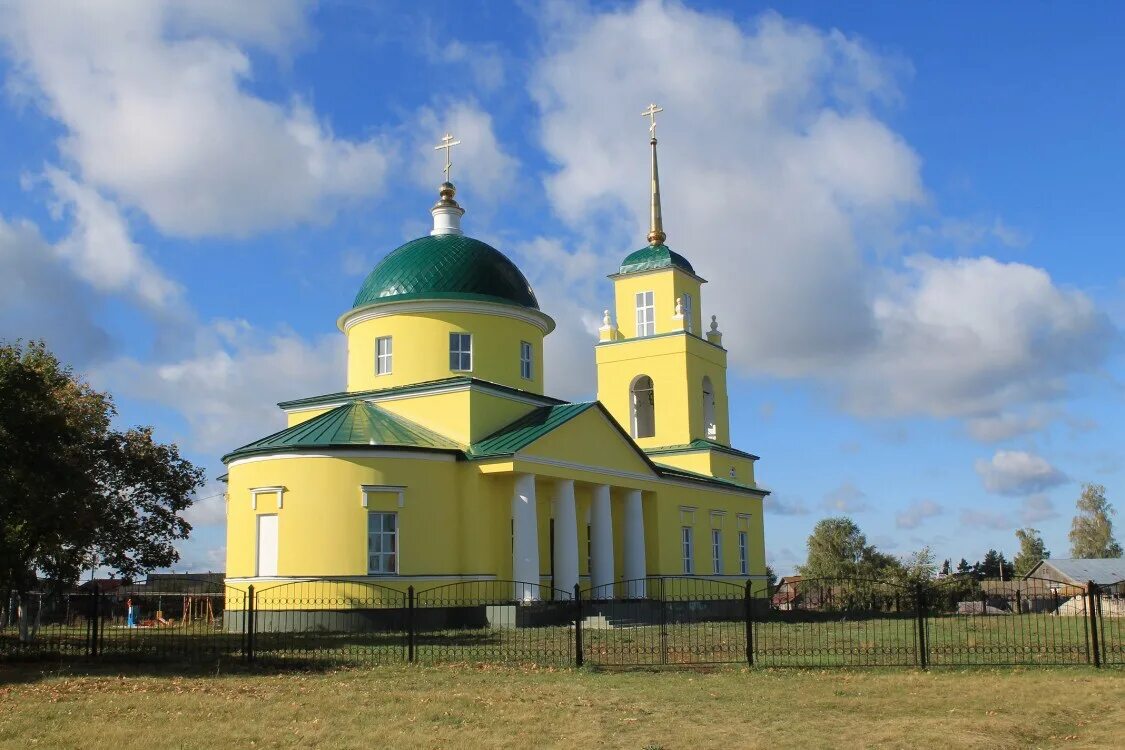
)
(525, 360)
(685, 309)
(383, 352)
(382, 543)
(646, 314)
(267, 545)
(717, 551)
(687, 545)
(460, 352)
(743, 554)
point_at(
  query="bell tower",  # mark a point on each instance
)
(660, 373)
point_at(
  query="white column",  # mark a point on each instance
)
(601, 538)
(525, 552)
(634, 542)
(566, 536)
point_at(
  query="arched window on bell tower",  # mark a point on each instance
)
(709, 428)
(643, 400)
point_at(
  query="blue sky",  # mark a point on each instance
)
(909, 214)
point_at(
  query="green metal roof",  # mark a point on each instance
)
(699, 444)
(677, 473)
(653, 257)
(427, 386)
(446, 266)
(526, 430)
(351, 425)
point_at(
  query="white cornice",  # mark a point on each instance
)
(347, 453)
(634, 475)
(540, 320)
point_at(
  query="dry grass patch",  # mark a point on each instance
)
(489, 706)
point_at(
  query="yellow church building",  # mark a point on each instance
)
(445, 461)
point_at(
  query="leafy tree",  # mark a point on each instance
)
(921, 566)
(1032, 550)
(771, 578)
(72, 488)
(963, 567)
(1091, 531)
(946, 567)
(994, 565)
(836, 549)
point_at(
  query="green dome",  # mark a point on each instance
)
(446, 266)
(652, 257)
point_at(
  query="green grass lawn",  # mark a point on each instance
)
(531, 707)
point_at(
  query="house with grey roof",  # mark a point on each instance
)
(1107, 572)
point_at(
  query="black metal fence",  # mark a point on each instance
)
(665, 620)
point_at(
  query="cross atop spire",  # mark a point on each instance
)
(447, 143)
(656, 234)
(650, 113)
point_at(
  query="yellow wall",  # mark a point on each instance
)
(455, 520)
(322, 524)
(711, 462)
(420, 343)
(677, 365)
(294, 418)
(666, 285)
(445, 413)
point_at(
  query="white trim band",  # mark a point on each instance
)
(373, 310)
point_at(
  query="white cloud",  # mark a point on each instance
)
(847, 498)
(101, 251)
(154, 101)
(1006, 425)
(784, 505)
(1018, 473)
(967, 234)
(228, 389)
(987, 519)
(42, 297)
(779, 179)
(209, 507)
(971, 336)
(916, 513)
(1036, 508)
(483, 60)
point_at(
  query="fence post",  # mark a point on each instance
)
(1092, 609)
(577, 626)
(920, 606)
(410, 624)
(96, 624)
(251, 603)
(663, 623)
(749, 625)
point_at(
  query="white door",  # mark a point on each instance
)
(267, 545)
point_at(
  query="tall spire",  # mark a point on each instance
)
(656, 234)
(447, 214)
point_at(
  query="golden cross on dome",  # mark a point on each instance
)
(650, 113)
(447, 143)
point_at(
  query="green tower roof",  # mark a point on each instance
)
(447, 266)
(653, 257)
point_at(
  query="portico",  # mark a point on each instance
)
(527, 557)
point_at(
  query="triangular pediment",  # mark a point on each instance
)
(576, 434)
